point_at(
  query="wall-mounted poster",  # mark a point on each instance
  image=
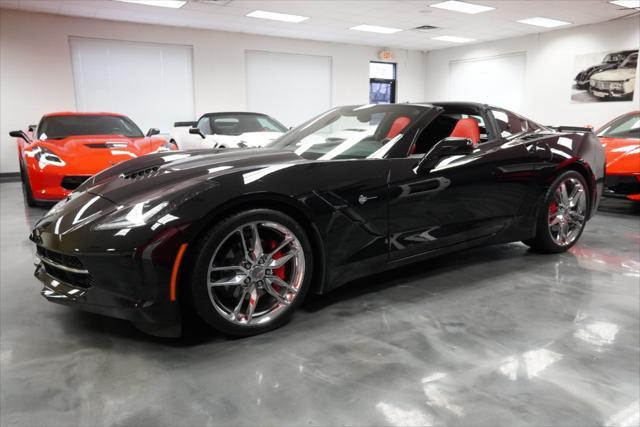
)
(605, 76)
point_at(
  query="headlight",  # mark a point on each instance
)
(45, 157)
(615, 85)
(131, 217)
(167, 146)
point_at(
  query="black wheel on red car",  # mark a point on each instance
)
(563, 216)
(26, 187)
(251, 271)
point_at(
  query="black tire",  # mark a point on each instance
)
(26, 188)
(203, 252)
(543, 241)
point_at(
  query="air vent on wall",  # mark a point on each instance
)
(425, 28)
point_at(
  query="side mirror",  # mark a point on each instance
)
(196, 131)
(20, 134)
(153, 131)
(450, 146)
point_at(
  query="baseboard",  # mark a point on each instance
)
(10, 177)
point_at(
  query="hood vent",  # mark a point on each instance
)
(141, 174)
(107, 145)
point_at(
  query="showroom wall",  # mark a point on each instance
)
(35, 50)
(549, 70)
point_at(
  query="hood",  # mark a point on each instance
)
(618, 74)
(91, 154)
(160, 173)
(251, 139)
(623, 155)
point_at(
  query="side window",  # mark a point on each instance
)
(268, 125)
(204, 125)
(509, 124)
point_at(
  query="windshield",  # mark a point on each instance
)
(627, 126)
(60, 127)
(630, 62)
(350, 132)
(237, 124)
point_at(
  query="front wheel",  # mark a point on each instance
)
(251, 271)
(563, 216)
(26, 187)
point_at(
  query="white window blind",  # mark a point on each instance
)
(290, 88)
(498, 80)
(151, 83)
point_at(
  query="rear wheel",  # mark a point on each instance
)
(562, 219)
(251, 271)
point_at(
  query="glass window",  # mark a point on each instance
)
(349, 133)
(509, 124)
(630, 62)
(382, 70)
(238, 124)
(60, 127)
(204, 125)
(627, 126)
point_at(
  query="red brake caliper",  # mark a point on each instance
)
(553, 208)
(280, 272)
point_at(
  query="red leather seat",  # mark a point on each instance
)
(398, 126)
(467, 128)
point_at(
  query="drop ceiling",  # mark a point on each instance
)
(330, 20)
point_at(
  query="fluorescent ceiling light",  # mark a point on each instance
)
(460, 6)
(274, 16)
(544, 22)
(375, 29)
(174, 4)
(453, 39)
(631, 4)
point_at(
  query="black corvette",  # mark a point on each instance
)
(240, 237)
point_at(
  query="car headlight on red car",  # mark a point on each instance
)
(167, 146)
(45, 157)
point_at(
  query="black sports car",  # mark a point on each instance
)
(240, 237)
(609, 62)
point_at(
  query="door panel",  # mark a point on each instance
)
(464, 198)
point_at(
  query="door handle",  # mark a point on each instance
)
(362, 199)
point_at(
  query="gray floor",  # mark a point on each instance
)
(496, 336)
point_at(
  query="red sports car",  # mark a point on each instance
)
(621, 140)
(67, 148)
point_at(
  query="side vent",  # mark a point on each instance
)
(141, 174)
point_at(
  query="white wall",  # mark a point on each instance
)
(549, 70)
(36, 75)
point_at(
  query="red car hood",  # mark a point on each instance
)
(623, 155)
(91, 154)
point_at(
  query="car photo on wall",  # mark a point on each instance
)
(612, 78)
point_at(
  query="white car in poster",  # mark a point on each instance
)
(616, 83)
(227, 130)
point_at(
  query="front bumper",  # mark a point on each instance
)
(622, 187)
(66, 281)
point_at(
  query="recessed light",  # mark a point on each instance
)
(460, 6)
(376, 29)
(173, 4)
(631, 4)
(453, 39)
(275, 16)
(544, 22)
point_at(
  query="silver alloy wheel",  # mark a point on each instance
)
(249, 285)
(567, 212)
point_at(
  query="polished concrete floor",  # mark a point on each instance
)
(494, 336)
